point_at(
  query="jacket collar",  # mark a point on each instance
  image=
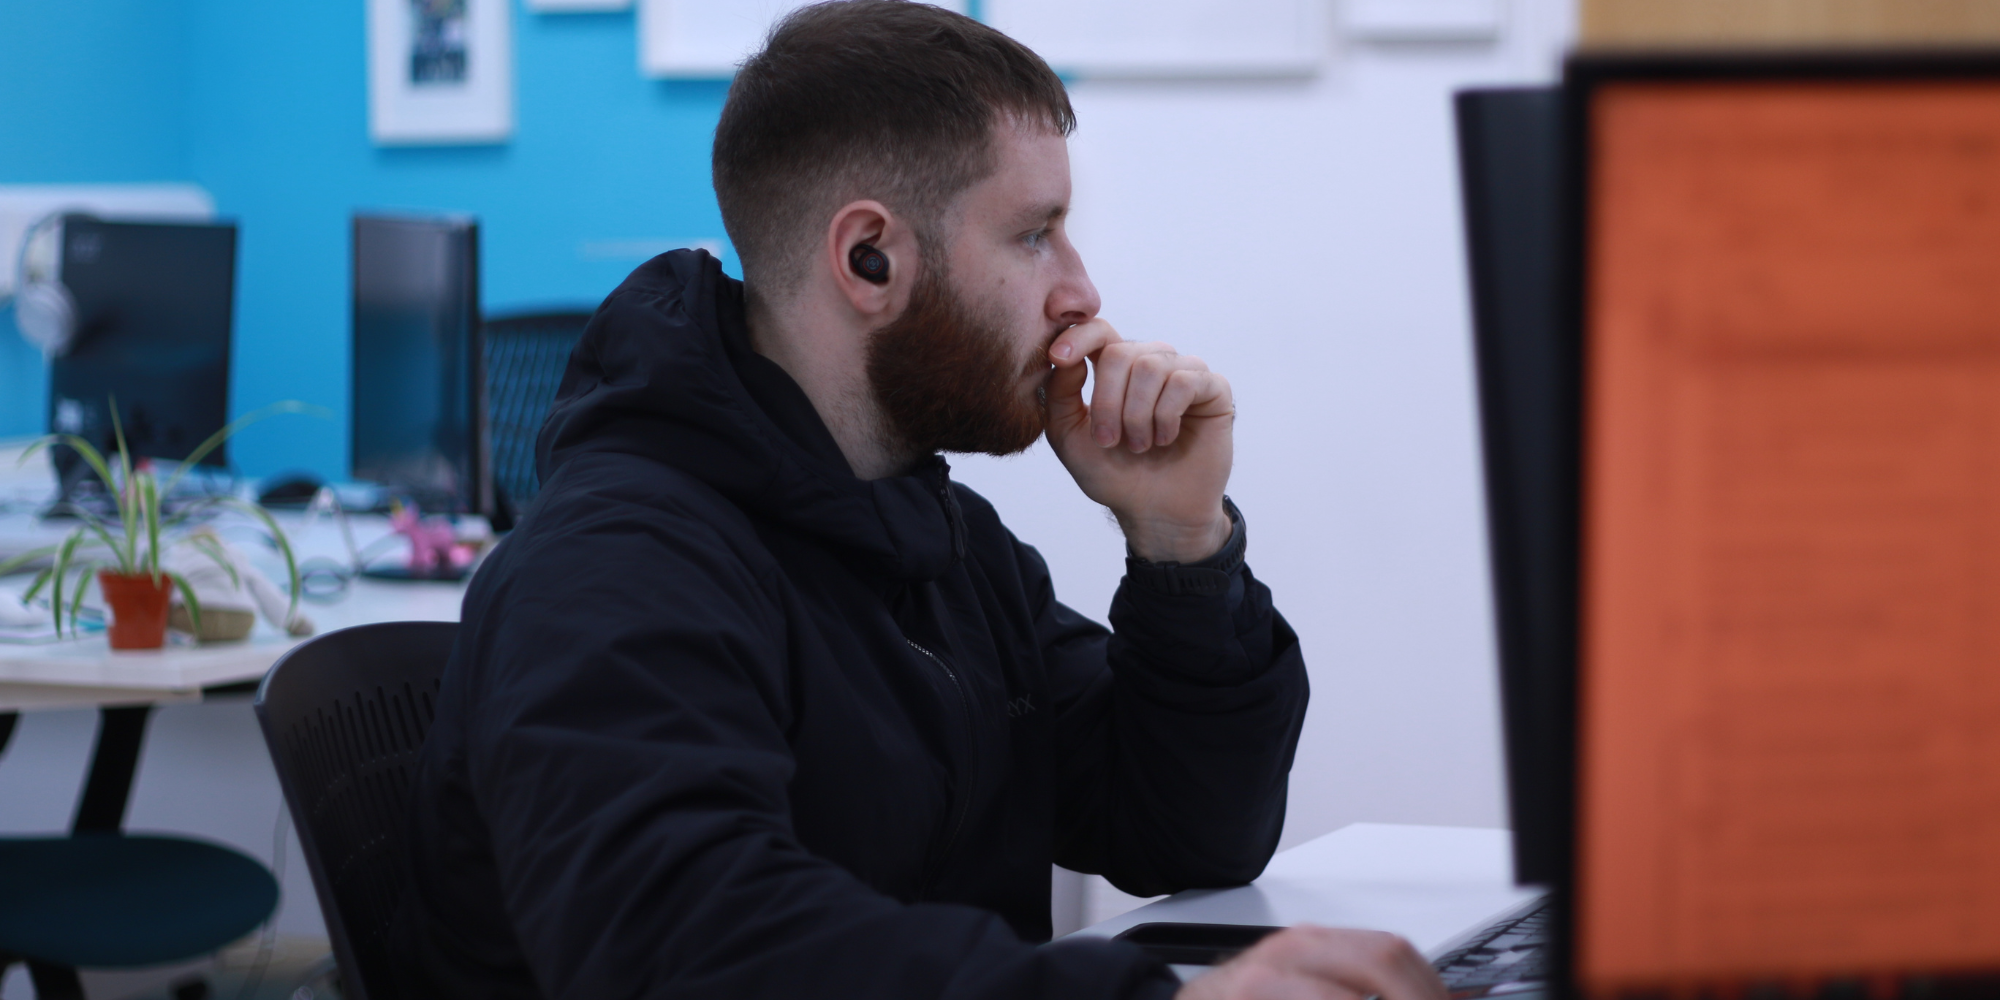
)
(664, 371)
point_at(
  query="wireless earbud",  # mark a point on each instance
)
(871, 264)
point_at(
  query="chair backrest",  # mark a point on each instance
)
(525, 357)
(344, 716)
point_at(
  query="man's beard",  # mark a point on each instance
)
(947, 378)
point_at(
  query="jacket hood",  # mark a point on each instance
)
(665, 371)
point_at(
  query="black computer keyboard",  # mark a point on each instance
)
(1509, 958)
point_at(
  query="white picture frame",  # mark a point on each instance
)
(1423, 20)
(440, 71)
(1166, 39)
(577, 6)
(708, 39)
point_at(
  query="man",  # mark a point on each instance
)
(756, 702)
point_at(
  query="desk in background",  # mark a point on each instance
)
(126, 684)
(85, 671)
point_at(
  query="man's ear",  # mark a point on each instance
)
(870, 224)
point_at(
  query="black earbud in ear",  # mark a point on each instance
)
(871, 264)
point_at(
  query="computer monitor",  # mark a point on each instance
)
(1510, 143)
(1786, 297)
(419, 405)
(153, 309)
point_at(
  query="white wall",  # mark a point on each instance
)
(1304, 238)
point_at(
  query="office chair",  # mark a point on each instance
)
(344, 716)
(100, 899)
(525, 358)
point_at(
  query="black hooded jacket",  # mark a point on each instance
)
(726, 721)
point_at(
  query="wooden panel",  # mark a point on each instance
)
(1670, 23)
(1788, 680)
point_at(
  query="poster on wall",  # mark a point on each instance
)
(708, 38)
(440, 71)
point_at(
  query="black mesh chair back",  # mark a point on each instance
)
(344, 716)
(525, 358)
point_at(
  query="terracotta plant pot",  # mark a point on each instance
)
(138, 609)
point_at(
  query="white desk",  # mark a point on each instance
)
(85, 671)
(1430, 884)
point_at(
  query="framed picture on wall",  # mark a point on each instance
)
(706, 38)
(440, 71)
(1171, 38)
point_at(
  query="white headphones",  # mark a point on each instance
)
(44, 310)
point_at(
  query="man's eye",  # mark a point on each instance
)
(1036, 238)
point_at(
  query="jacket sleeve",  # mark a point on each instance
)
(630, 763)
(1177, 731)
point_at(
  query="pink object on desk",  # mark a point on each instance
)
(433, 541)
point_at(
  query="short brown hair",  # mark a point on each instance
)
(884, 99)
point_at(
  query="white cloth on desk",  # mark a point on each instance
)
(16, 613)
(213, 587)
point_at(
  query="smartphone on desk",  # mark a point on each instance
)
(1195, 944)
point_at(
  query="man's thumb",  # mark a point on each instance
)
(1064, 395)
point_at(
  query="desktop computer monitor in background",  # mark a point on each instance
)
(419, 388)
(1510, 143)
(153, 307)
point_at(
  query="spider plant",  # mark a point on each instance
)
(132, 546)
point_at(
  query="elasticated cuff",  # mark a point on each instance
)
(1206, 578)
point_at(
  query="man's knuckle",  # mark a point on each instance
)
(1386, 948)
(1256, 979)
(1299, 940)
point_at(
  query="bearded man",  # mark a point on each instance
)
(756, 702)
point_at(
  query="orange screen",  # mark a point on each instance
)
(1790, 659)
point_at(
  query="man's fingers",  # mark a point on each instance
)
(1370, 963)
(1143, 389)
(1063, 394)
(1321, 964)
(1255, 979)
(1113, 378)
(1265, 982)
(1174, 399)
(1192, 390)
(1081, 341)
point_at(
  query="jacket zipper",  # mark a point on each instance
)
(964, 796)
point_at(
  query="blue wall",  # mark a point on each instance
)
(271, 117)
(90, 91)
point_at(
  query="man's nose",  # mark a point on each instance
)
(1074, 299)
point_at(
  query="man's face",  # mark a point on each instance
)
(962, 368)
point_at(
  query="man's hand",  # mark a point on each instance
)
(1153, 444)
(1320, 963)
